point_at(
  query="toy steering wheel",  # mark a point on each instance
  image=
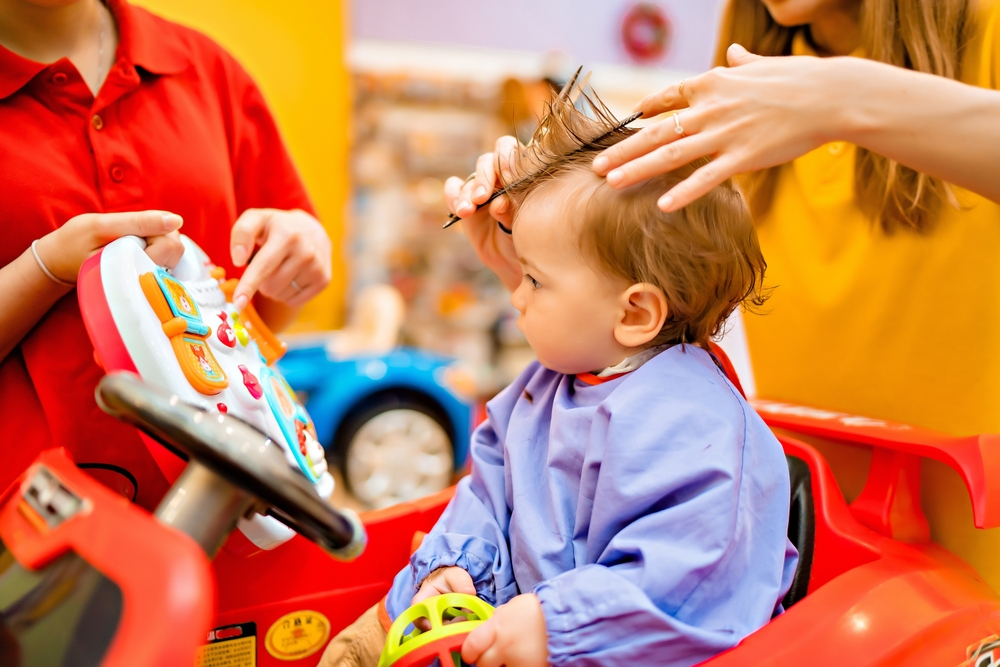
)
(232, 468)
(452, 617)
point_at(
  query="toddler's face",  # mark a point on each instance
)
(568, 309)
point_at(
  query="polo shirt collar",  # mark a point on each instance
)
(141, 42)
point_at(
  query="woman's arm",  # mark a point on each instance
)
(26, 293)
(762, 112)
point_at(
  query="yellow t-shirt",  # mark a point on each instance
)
(904, 327)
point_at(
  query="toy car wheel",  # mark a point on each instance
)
(395, 448)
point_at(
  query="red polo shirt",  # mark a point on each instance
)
(178, 125)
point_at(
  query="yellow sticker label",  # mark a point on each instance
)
(233, 653)
(297, 635)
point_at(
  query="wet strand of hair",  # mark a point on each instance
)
(585, 145)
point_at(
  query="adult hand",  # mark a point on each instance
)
(294, 261)
(757, 113)
(494, 247)
(65, 250)
(514, 636)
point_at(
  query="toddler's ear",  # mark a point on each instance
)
(642, 314)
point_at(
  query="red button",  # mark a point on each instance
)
(117, 174)
(60, 78)
(97, 122)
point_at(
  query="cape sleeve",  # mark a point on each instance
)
(472, 533)
(677, 574)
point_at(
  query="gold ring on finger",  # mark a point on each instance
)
(680, 87)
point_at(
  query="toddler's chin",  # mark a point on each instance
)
(564, 366)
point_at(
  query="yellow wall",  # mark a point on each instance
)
(295, 51)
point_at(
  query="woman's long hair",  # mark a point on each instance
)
(921, 35)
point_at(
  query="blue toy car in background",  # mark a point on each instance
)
(390, 422)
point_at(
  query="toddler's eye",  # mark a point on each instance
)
(534, 283)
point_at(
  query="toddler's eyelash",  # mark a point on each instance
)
(534, 283)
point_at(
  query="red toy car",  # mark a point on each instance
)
(88, 579)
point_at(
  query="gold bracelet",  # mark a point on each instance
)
(45, 269)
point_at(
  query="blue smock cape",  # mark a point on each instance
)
(649, 513)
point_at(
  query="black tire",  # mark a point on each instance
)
(370, 408)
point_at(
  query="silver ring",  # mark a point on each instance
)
(677, 123)
(296, 285)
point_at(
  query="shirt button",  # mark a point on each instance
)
(97, 122)
(117, 173)
(836, 147)
(60, 78)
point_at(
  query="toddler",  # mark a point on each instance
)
(626, 505)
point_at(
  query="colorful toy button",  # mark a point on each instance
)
(225, 332)
(251, 383)
(241, 332)
(222, 407)
(203, 359)
(182, 324)
(181, 303)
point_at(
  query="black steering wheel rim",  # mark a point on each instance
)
(237, 452)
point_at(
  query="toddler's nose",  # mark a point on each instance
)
(517, 298)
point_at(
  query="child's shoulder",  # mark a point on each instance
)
(681, 395)
(682, 373)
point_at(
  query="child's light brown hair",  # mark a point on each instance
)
(705, 257)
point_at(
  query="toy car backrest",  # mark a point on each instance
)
(832, 536)
(86, 579)
(887, 512)
(801, 512)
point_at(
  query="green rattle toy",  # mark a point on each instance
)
(444, 640)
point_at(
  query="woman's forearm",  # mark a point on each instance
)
(26, 294)
(934, 125)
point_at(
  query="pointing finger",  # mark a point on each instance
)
(249, 228)
(264, 264)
